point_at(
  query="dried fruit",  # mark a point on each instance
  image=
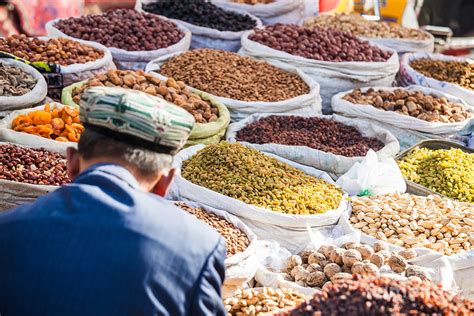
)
(457, 72)
(15, 81)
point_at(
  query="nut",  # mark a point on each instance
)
(351, 256)
(397, 263)
(331, 269)
(377, 259)
(366, 251)
(408, 254)
(316, 279)
(15, 81)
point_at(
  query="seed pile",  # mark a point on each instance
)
(236, 241)
(317, 269)
(171, 90)
(460, 73)
(126, 29)
(202, 13)
(413, 103)
(231, 75)
(60, 51)
(383, 296)
(250, 176)
(411, 221)
(14, 81)
(357, 25)
(33, 166)
(318, 133)
(318, 43)
(260, 301)
(448, 172)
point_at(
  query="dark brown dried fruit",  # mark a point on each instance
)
(460, 73)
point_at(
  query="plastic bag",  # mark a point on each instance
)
(373, 177)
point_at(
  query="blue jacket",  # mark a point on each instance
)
(100, 246)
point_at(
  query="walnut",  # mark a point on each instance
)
(326, 250)
(350, 245)
(286, 277)
(408, 253)
(358, 268)
(366, 251)
(370, 269)
(305, 265)
(294, 261)
(316, 257)
(296, 270)
(385, 253)
(416, 271)
(331, 269)
(336, 256)
(377, 259)
(351, 256)
(302, 283)
(301, 275)
(314, 267)
(341, 276)
(379, 246)
(326, 285)
(346, 269)
(316, 279)
(397, 263)
(305, 254)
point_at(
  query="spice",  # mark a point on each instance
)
(250, 176)
(231, 75)
(318, 43)
(383, 296)
(457, 72)
(60, 51)
(202, 13)
(411, 221)
(59, 123)
(15, 81)
(413, 103)
(236, 241)
(33, 166)
(448, 172)
(126, 29)
(318, 133)
(171, 90)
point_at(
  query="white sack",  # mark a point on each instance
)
(410, 76)
(36, 95)
(404, 45)
(315, 158)
(266, 224)
(130, 59)
(346, 108)
(7, 134)
(309, 103)
(333, 77)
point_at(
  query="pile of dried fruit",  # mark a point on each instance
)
(14, 81)
(236, 241)
(126, 29)
(33, 166)
(260, 301)
(318, 43)
(58, 123)
(202, 13)
(383, 296)
(457, 72)
(411, 221)
(414, 103)
(231, 75)
(357, 25)
(254, 178)
(173, 91)
(60, 51)
(448, 172)
(329, 263)
(318, 133)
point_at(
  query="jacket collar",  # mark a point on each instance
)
(114, 170)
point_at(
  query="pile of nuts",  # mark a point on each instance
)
(61, 124)
(318, 269)
(457, 72)
(33, 166)
(126, 29)
(258, 301)
(359, 26)
(236, 241)
(231, 75)
(250, 176)
(448, 172)
(171, 90)
(318, 43)
(15, 81)
(383, 296)
(60, 51)
(413, 103)
(411, 221)
(318, 133)
(202, 13)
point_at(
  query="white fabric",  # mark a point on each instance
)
(346, 108)
(410, 76)
(309, 103)
(7, 134)
(131, 59)
(333, 77)
(315, 158)
(36, 95)
(266, 224)
(405, 45)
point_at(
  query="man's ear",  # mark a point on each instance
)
(73, 162)
(164, 183)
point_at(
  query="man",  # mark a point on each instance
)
(104, 245)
